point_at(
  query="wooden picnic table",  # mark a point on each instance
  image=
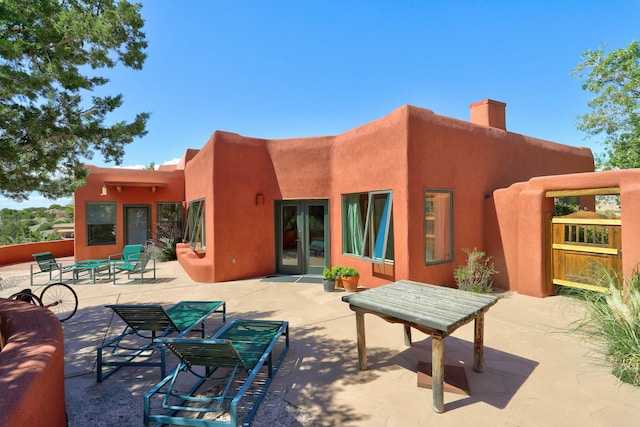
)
(434, 310)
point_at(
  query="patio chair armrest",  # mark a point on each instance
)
(115, 257)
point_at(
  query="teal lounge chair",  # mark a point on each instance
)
(240, 358)
(135, 346)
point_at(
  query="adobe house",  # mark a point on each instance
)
(396, 198)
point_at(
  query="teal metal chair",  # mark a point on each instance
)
(130, 253)
(143, 264)
(241, 346)
(135, 346)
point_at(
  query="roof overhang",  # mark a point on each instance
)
(583, 192)
(118, 185)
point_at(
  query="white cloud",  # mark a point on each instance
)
(173, 161)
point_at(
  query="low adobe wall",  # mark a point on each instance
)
(31, 366)
(14, 254)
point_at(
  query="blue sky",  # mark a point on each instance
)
(276, 69)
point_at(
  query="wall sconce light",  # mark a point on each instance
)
(259, 200)
(104, 190)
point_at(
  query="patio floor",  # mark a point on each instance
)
(535, 372)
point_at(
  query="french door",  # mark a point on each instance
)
(302, 236)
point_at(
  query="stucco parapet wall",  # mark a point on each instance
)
(577, 181)
(31, 366)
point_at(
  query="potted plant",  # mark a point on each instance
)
(329, 279)
(350, 277)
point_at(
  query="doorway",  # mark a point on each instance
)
(302, 236)
(137, 222)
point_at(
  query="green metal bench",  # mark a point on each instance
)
(135, 346)
(241, 346)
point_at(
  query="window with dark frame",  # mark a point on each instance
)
(438, 226)
(101, 223)
(367, 226)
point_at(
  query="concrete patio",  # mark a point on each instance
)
(535, 372)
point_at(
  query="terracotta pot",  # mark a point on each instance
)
(350, 283)
(339, 283)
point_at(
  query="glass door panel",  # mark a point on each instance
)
(137, 230)
(290, 239)
(316, 216)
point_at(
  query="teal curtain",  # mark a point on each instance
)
(354, 229)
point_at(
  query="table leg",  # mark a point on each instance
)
(407, 335)
(362, 343)
(437, 372)
(478, 344)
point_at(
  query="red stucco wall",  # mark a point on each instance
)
(31, 366)
(135, 189)
(13, 254)
(473, 161)
(521, 210)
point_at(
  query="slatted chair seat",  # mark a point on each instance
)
(233, 357)
(135, 346)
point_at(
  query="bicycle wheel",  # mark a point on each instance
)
(27, 296)
(61, 299)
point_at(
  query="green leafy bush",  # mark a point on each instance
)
(477, 274)
(330, 273)
(348, 272)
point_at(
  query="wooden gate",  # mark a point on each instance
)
(584, 242)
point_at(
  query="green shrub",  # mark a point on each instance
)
(477, 274)
(349, 272)
(330, 273)
(45, 226)
(612, 323)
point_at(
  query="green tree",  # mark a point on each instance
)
(614, 78)
(50, 122)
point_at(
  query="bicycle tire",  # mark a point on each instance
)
(61, 299)
(27, 296)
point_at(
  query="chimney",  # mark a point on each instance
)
(489, 113)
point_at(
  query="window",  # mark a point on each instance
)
(367, 225)
(101, 223)
(169, 223)
(194, 231)
(438, 230)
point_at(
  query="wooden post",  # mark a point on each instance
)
(362, 342)
(478, 344)
(437, 372)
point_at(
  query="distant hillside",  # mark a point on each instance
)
(32, 224)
